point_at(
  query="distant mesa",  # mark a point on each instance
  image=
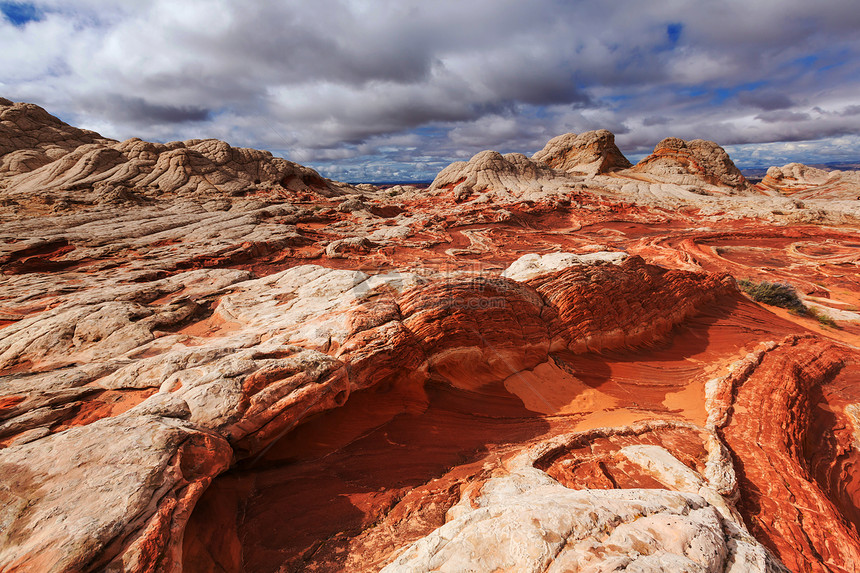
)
(689, 162)
(589, 153)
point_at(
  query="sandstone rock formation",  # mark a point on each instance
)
(696, 176)
(689, 161)
(802, 181)
(490, 170)
(43, 157)
(521, 368)
(30, 137)
(532, 520)
(328, 333)
(588, 153)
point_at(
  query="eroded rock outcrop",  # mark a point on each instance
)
(524, 368)
(790, 467)
(328, 333)
(113, 494)
(805, 182)
(513, 173)
(30, 137)
(686, 162)
(696, 176)
(575, 503)
(42, 156)
(587, 153)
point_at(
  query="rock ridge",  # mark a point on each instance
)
(539, 364)
(40, 156)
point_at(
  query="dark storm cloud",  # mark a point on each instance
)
(655, 120)
(336, 81)
(782, 116)
(139, 111)
(766, 101)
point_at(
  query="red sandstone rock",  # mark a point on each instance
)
(519, 361)
(783, 429)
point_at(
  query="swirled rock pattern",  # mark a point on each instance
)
(537, 364)
(527, 517)
(44, 158)
(490, 170)
(30, 137)
(328, 333)
(804, 182)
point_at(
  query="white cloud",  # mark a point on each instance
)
(333, 80)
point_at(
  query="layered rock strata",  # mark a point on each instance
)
(277, 350)
(588, 153)
(40, 156)
(575, 503)
(538, 364)
(689, 161)
(804, 182)
(490, 170)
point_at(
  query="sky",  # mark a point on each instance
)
(379, 90)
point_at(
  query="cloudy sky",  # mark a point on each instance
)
(379, 90)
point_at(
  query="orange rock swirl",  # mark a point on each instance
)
(608, 306)
(781, 434)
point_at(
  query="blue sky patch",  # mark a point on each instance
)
(20, 13)
(673, 33)
(806, 62)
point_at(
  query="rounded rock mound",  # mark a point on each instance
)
(805, 182)
(40, 153)
(30, 137)
(689, 162)
(589, 153)
(490, 170)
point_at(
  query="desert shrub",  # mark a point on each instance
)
(821, 317)
(775, 294)
(783, 295)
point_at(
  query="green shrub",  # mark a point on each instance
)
(822, 318)
(783, 295)
(775, 294)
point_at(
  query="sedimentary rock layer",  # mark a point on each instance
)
(490, 170)
(696, 159)
(804, 182)
(46, 159)
(538, 364)
(329, 333)
(587, 153)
